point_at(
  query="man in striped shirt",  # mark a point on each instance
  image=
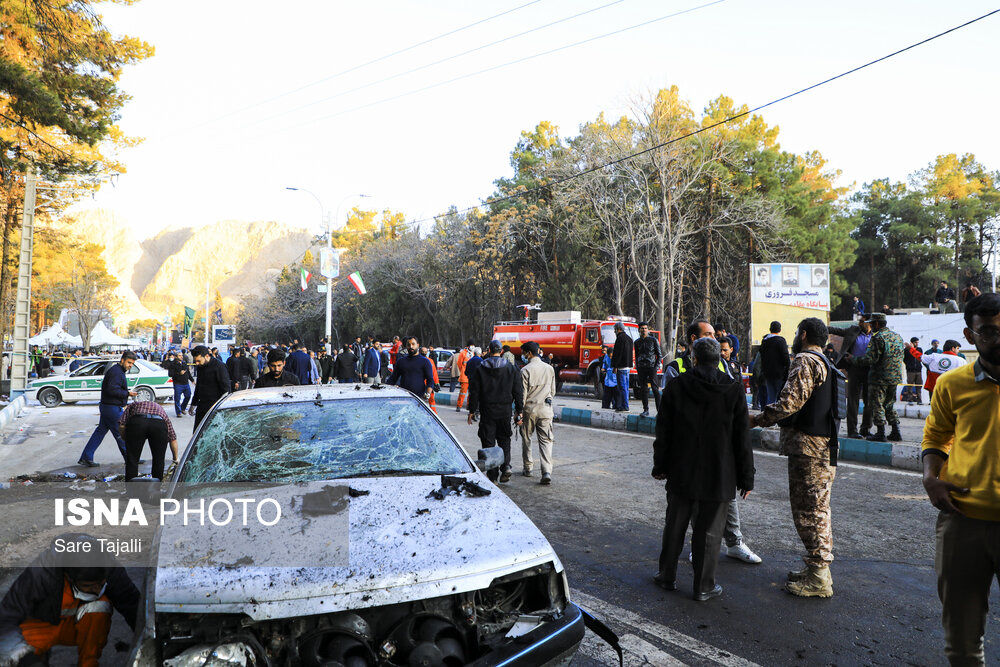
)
(142, 421)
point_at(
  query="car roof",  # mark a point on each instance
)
(296, 393)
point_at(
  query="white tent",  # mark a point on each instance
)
(55, 335)
(102, 335)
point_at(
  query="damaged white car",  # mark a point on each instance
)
(393, 547)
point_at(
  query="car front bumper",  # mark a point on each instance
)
(551, 643)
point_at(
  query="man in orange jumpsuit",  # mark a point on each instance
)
(463, 379)
(437, 383)
(52, 604)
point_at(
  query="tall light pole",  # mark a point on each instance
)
(329, 248)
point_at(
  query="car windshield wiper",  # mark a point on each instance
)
(399, 472)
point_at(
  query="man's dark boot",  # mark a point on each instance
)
(895, 435)
(879, 435)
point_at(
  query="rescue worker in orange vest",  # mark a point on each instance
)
(437, 383)
(463, 379)
(54, 603)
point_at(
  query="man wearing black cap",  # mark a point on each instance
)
(53, 603)
(493, 385)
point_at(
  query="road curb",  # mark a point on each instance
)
(11, 411)
(892, 454)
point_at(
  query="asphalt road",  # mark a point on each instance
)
(604, 513)
(604, 516)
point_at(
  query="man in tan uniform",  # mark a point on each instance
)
(539, 382)
(805, 409)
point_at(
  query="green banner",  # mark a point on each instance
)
(188, 321)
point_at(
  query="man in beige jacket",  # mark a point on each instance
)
(539, 382)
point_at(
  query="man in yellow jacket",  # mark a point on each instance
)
(961, 457)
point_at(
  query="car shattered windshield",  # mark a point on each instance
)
(309, 441)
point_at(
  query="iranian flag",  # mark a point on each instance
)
(358, 283)
(305, 279)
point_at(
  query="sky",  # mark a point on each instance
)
(244, 99)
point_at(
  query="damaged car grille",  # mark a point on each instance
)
(448, 631)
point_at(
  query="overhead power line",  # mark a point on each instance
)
(367, 63)
(510, 63)
(742, 114)
(441, 61)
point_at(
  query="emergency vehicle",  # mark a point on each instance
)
(574, 342)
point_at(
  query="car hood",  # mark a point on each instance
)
(402, 546)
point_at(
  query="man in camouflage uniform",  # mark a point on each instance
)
(810, 472)
(884, 360)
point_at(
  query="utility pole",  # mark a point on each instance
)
(22, 312)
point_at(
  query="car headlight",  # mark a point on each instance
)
(218, 655)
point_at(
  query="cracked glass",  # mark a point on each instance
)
(317, 440)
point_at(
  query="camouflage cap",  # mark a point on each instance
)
(877, 317)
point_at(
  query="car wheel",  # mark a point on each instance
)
(49, 397)
(598, 386)
(145, 394)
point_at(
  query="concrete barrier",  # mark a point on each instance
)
(894, 454)
(10, 412)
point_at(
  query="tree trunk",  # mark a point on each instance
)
(706, 307)
(4, 272)
(871, 283)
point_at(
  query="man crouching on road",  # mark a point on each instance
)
(493, 386)
(51, 604)
(805, 408)
(702, 449)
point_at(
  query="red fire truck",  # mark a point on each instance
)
(574, 342)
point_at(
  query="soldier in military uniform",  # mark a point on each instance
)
(884, 360)
(805, 410)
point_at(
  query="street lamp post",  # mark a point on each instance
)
(329, 247)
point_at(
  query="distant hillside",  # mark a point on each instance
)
(173, 267)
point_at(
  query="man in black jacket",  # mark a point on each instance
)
(621, 361)
(181, 377)
(239, 369)
(945, 298)
(855, 343)
(346, 365)
(647, 361)
(54, 603)
(702, 450)
(213, 383)
(276, 375)
(493, 386)
(774, 363)
(114, 395)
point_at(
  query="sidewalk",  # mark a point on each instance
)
(587, 412)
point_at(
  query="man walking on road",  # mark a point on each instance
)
(114, 395)
(461, 361)
(141, 422)
(239, 369)
(181, 377)
(493, 386)
(773, 362)
(538, 382)
(621, 360)
(855, 344)
(276, 375)
(963, 431)
(647, 361)
(702, 450)
(213, 383)
(412, 371)
(884, 361)
(806, 409)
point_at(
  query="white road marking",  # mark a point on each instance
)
(637, 652)
(756, 452)
(618, 616)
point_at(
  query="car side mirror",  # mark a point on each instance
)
(489, 458)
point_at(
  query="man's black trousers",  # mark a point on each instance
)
(648, 376)
(495, 429)
(138, 430)
(706, 539)
(857, 390)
